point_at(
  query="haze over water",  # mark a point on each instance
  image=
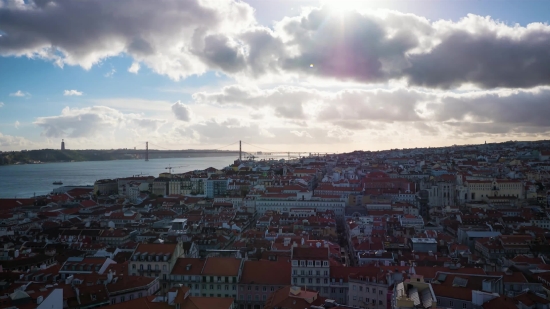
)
(26, 180)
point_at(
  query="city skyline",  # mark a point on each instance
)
(283, 75)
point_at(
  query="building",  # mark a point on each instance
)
(259, 279)
(216, 185)
(424, 244)
(155, 260)
(220, 277)
(310, 267)
(188, 271)
(105, 187)
(283, 203)
(371, 287)
(413, 293)
(481, 190)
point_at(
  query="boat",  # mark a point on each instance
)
(57, 182)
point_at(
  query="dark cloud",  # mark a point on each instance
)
(486, 59)
(181, 38)
(181, 111)
(517, 108)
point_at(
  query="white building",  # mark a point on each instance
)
(283, 203)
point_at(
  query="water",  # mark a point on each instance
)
(26, 180)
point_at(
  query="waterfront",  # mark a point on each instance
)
(26, 180)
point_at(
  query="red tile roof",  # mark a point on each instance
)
(222, 266)
(266, 272)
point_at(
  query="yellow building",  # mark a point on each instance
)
(479, 190)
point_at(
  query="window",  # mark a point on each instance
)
(164, 267)
(354, 297)
(241, 297)
(211, 286)
(122, 299)
(227, 287)
(309, 280)
(373, 290)
(264, 297)
(354, 287)
(380, 292)
(451, 303)
(302, 263)
(361, 289)
(113, 301)
(464, 305)
(264, 288)
(141, 266)
(133, 266)
(294, 272)
(294, 263)
(302, 280)
(140, 295)
(249, 287)
(294, 280)
(131, 296)
(256, 288)
(148, 266)
(157, 267)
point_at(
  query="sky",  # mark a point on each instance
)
(280, 75)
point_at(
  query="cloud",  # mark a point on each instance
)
(72, 93)
(179, 39)
(93, 121)
(218, 132)
(110, 73)
(13, 142)
(16, 124)
(181, 111)
(134, 68)
(372, 109)
(1, 104)
(308, 103)
(169, 37)
(19, 93)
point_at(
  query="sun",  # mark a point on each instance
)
(345, 5)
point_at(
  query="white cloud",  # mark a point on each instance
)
(110, 73)
(16, 124)
(1, 104)
(19, 93)
(72, 93)
(134, 68)
(9, 142)
(93, 121)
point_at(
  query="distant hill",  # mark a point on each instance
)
(54, 155)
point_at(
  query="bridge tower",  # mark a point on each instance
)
(146, 151)
(240, 152)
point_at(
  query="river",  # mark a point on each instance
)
(29, 179)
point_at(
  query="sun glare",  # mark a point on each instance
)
(345, 5)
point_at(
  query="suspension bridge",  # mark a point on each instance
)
(151, 150)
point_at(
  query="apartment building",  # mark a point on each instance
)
(155, 260)
(310, 267)
(188, 271)
(259, 279)
(220, 276)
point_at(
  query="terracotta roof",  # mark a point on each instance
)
(156, 248)
(282, 298)
(266, 272)
(310, 253)
(500, 302)
(222, 266)
(196, 266)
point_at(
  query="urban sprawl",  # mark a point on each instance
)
(463, 227)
